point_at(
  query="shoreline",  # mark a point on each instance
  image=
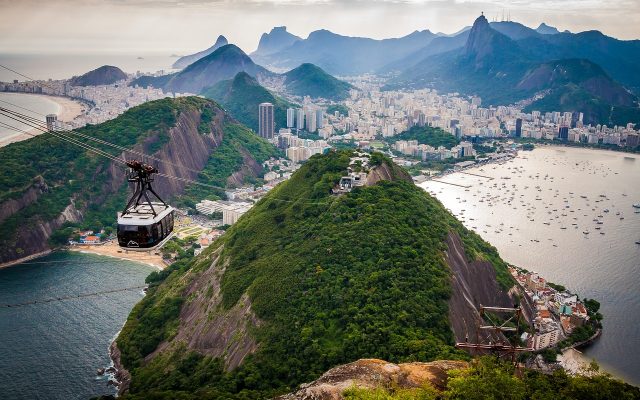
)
(111, 249)
(24, 259)
(68, 110)
(105, 250)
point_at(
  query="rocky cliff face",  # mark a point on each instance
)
(33, 239)
(206, 327)
(28, 197)
(373, 374)
(473, 284)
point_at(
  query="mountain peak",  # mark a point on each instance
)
(546, 29)
(221, 41)
(185, 61)
(480, 22)
(277, 39)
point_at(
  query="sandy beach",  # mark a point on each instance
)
(111, 249)
(68, 110)
(574, 362)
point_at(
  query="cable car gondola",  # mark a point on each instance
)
(144, 225)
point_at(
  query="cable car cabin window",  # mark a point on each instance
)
(170, 220)
(136, 236)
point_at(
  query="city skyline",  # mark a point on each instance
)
(184, 26)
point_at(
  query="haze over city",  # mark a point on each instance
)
(184, 26)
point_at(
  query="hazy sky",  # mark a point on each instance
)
(189, 25)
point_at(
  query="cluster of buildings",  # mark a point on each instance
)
(357, 173)
(426, 152)
(309, 118)
(374, 113)
(104, 102)
(571, 128)
(557, 313)
(297, 148)
(231, 210)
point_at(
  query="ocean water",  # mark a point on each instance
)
(40, 104)
(64, 66)
(52, 350)
(523, 209)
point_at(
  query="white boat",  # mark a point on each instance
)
(637, 205)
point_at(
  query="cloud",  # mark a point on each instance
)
(188, 25)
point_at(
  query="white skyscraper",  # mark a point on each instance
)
(300, 119)
(266, 125)
(319, 118)
(311, 125)
(291, 116)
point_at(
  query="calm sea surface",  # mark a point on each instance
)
(536, 211)
(52, 350)
(64, 66)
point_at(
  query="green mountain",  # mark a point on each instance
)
(43, 198)
(579, 85)
(307, 280)
(241, 96)
(105, 75)
(310, 80)
(222, 64)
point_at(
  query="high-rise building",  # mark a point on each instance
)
(291, 116)
(266, 125)
(51, 121)
(563, 133)
(300, 119)
(311, 125)
(319, 118)
(519, 127)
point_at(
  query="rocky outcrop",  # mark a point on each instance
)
(372, 374)
(473, 283)
(122, 376)
(29, 196)
(33, 239)
(210, 329)
(385, 172)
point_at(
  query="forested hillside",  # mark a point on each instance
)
(303, 282)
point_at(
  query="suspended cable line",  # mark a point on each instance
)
(101, 141)
(70, 297)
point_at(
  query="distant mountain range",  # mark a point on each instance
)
(500, 61)
(241, 96)
(182, 62)
(505, 62)
(225, 63)
(105, 75)
(338, 54)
